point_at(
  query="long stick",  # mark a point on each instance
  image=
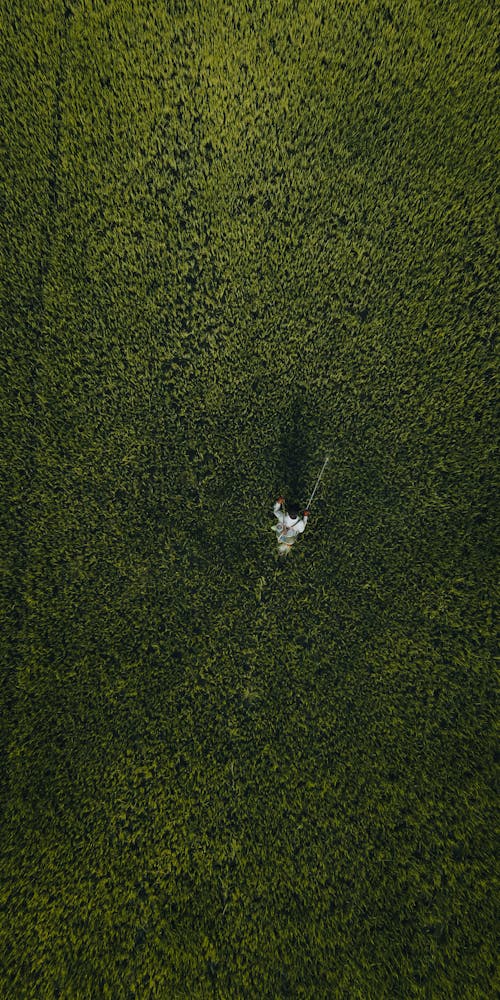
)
(327, 459)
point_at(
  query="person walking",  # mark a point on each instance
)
(289, 526)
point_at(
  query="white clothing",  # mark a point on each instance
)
(291, 526)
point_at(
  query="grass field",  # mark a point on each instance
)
(236, 237)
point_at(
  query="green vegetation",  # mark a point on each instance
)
(236, 236)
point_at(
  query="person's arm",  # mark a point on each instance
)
(280, 514)
(302, 524)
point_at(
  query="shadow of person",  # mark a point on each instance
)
(295, 449)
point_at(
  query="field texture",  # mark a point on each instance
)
(235, 237)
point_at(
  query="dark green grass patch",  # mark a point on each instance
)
(235, 238)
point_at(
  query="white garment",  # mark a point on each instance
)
(292, 526)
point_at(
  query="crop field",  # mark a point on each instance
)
(238, 237)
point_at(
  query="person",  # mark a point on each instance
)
(289, 526)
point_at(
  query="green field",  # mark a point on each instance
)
(237, 237)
